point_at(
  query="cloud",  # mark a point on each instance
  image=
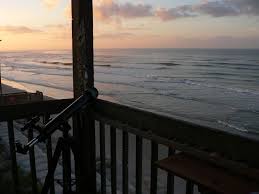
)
(18, 29)
(115, 35)
(213, 8)
(174, 13)
(50, 4)
(217, 8)
(107, 9)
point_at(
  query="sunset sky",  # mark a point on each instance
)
(46, 24)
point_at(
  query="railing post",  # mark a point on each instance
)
(33, 164)
(83, 78)
(49, 154)
(13, 156)
(82, 35)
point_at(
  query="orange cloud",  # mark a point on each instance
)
(18, 29)
(50, 3)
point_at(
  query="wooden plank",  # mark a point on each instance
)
(232, 146)
(82, 35)
(139, 154)
(154, 158)
(86, 149)
(170, 176)
(49, 153)
(66, 164)
(125, 162)
(206, 175)
(13, 157)
(189, 187)
(113, 160)
(32, 164)
(21, 111)
(83, 78)
(102, 157)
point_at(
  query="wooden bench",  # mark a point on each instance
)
(207, 176)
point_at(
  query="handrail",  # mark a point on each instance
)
(177, 133)
(20, 111)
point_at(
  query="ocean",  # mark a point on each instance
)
(213, 87)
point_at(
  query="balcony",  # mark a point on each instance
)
(122, 150)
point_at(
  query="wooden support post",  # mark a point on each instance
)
(82, 34)
(83, 78)
(13, 157)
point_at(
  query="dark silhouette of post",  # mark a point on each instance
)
(83, 78)
(0, 78)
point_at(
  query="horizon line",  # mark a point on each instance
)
(123, 48)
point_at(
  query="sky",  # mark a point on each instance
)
(46, 24)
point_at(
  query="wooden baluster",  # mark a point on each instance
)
(170, 177)
(189, 187)
(125, 161)
(154, 158)
(49, 154)
(102, 156)
(113, 160)
(66, 159)
(13, 156)
(32, 163)
(139, 143)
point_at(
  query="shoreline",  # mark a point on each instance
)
(7, 89)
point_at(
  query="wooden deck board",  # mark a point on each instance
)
(207, 175)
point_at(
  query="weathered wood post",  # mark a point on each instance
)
(83, 78)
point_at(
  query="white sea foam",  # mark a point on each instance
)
(189, 81)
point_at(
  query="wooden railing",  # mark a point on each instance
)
(11, 113)
(122, 129)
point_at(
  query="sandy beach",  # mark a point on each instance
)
(6, 89)
(9, 89)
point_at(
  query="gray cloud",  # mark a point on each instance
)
(127, 10)
(213, 8)
(174, 13)
(18, 29)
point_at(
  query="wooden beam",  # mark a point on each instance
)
(82, 35)
(20, 111)
(83, 78)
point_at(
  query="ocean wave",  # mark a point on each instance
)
(226, 64)
(219, 73)
(20, 65)
(56, 63)
(237, 128)
(39, 84)
(226, 124)
(237, 90)
(169, 64)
